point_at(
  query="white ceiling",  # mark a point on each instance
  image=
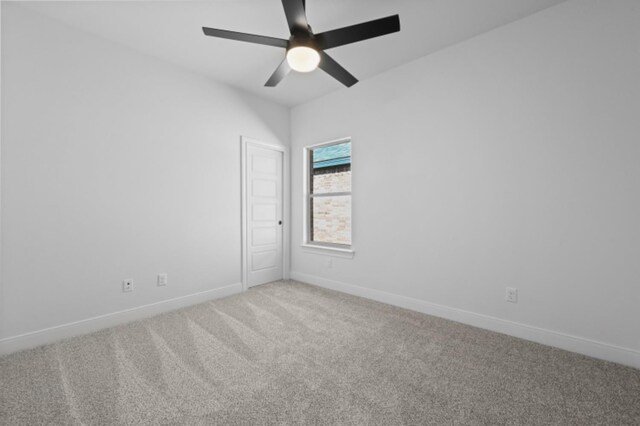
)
(171, 30)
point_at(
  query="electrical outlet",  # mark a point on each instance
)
(127, 285)
(511, 295)
(163, 279)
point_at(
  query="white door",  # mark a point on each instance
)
(264, 214)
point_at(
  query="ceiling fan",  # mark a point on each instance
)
(306, 50)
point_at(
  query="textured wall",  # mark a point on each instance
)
(508, 160)
(114, 165)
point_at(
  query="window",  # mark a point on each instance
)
(329, 195)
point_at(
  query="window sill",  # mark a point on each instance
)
(328, 251)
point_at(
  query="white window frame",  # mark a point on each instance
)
(341, 250)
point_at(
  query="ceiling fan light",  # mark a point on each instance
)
(303, 58)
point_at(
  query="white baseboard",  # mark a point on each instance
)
(52, 334)
(567, 342)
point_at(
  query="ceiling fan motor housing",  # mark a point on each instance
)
(303, 40)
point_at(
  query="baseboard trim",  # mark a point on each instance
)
(547, 337)
(89, 325)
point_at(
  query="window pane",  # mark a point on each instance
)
(334, 179)
(331, 219)
(331, 169)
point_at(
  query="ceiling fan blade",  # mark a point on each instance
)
(336, 71)
(358, 32)
(251, 38)
(280, 73)
(296, 16)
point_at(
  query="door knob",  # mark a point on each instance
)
(279, 222)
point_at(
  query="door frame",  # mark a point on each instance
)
(245, 142)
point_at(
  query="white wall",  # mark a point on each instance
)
(511, 159)
(114, 165)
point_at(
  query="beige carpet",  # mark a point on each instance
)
(289, 353)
